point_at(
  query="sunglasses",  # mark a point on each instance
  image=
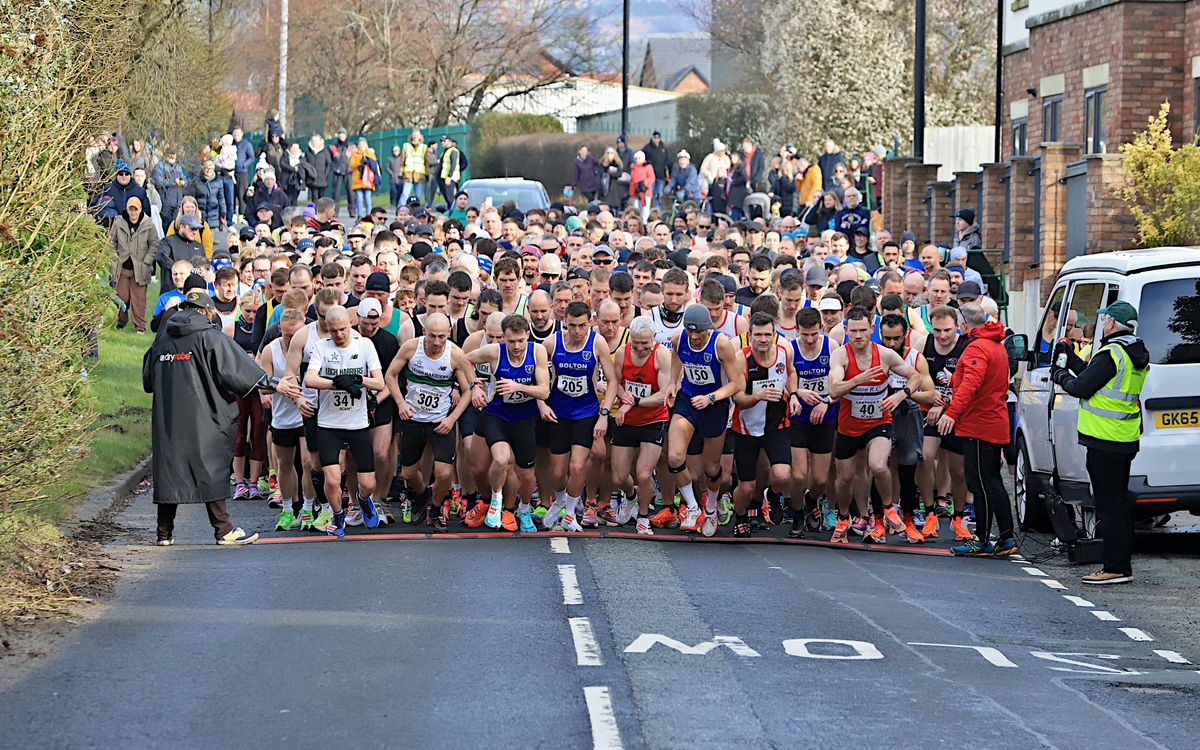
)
(550, 276)
(602, 261)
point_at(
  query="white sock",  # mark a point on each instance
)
(560, 496)
(689, 496)
(497, 498)
(710, 503)
(523, 507)
(571, 502)
(308, 503)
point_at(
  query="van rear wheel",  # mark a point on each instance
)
(1030, 507)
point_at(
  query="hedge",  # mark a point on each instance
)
(487, 130)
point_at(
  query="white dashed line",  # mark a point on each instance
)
(1033, 571)
(587, 649)
(570, 585)
(560, 545)
(1078, 601)
(1135, 634)
(605, 733)
(1053, 583)
(1172, 656)
(1101, 614)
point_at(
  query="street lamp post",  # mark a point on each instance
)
(919, 83)
(625, 69)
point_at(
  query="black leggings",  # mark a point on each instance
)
(982, 467)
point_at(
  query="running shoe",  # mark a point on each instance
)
(370, 516)
(165, 541)
(306, 520)
(455, 501)
(798, 524)
(276, 499)
(1005, 548)
(961, 532)
(877, 533)
(755, 518)
(643, 527)
(667, 518)
(725, 509)
(553, 514)
(437, 520)
(525, 522)
(929, 529)
(570, 524)
(406, 514)
(263, 486)
(354, 517)
(236, 538)
(942, 508)
(337, 526)
(972, 547)
(323, 520)
(475, 516)
(812, 520)
(829, 520)
(627, 510)
(859, 525)
(840, 530)
(969, 511)
(692, 518)
(606, 515)
(741, 526)
(918, 517)
(911, 534)
(892, 521)
(256, 492)
(590, 521)
(242, 491)
(286, 521)
(772, 507)
(539, 512)
(709, 528)
(495, 508)
(508, 521)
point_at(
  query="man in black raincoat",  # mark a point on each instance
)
(195, 373)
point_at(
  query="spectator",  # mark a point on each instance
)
(154, 210)
(364, 177)
(828, 161)
(451, 171)
(614, 179)
(243, 163)
(433, 174)
(268, 194)
(754, 166)
(394, 168)
(141, 156)
(684, 184)
(716, 162)
(339, 166)
(641, 184)
(585, 174)
(808, 182)
(133, 240)
(183, 245)
(412, 167)
(966, 233)
(738, 187)
(273, 149)
(117, 192)
(293, 173)
(209, 193)
(189, 206)
(853, 215)
(781, 184)
(656, 156)
(821, 216)
(170, 179)
(624, 152)
(320, 163)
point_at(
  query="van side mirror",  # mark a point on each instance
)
(1017, 348)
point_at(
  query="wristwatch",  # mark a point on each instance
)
(712, 399)
(907, 391)
(605, 412)
(637, 400)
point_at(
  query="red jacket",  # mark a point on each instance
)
(641, 180)
(980, 387)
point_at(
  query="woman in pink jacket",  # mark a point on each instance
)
(641, 183)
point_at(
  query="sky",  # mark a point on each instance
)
(646, 17)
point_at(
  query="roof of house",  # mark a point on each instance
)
(669, 58)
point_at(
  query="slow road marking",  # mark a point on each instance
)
(570, 585)
(605, 733)
(587, 649)
(560, 546)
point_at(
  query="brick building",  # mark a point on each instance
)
(1080, 78)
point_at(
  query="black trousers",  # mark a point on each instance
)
(981, 461)
(218, 516)
(1109, 473)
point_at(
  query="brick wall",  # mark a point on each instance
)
(919, 177)
(966, 192)
(895, 193)
(1110, 225)
(1021, 212)
(1017, 77)
(941, 210)
(991, 220)
(1191, 48)
(1055, 158)
(1152, 69)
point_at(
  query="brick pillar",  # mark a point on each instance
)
(941, 208)
(1110, 224)
(991, 220)
(895, 192)
(966, 192)
(1055, 158)
(1020, 221)
(919, 177)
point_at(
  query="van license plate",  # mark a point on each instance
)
(1166, 420)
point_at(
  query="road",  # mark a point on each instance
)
(556, 643)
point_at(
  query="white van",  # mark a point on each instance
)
(1164, 285)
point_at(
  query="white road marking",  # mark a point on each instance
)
(570, 585)
(1172, 656)
(1053, 583)
(1033, 571)
(992, 655)
(1135, 634)
(1101, 614)
(605, 733)
(560, 545)
(774, 567)
(587, 649)
(1017, 558)
(1078, 601)
(646, 641)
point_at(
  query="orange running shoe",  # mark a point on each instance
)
(877, 533)
(961, 532)
(667, 518)
(508, 520)
(892, 521)
(911, 534)
(930, 529)
(475, 516)
(840, 530)
(693, 519)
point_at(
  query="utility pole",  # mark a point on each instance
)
(919, 83)
(999, 77)
(283, 53)
(625, 70)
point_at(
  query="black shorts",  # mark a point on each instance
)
(287, 437)
(310, 433)
(747, 447)
(951, 442)
(330, 443)
(709, 422)
(416, 435)
(632, 436)
(541, 433)
(383, 413)
(815, 438)
(566, 433)
(520, 437)
(848, 446)
(468, 422)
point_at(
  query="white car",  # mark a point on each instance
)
(1164, 285)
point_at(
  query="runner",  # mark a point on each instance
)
(287, 429)
(599, 476)
(430, 366)
(640, 424)
(476, 456)
(814, 427)
(541, 325)
(520, 377)
(760, 420)
(705, 372)
(381, 406)
(942, 350)
(859, 373)
(340, 368)
(668, 317)
(575, 416)
(907, 421)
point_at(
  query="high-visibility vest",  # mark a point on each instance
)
(414, 157)
(1114, 412)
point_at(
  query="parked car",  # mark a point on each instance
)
(527, 194)
(1164, 285)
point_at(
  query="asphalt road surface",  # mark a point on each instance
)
(569, 643)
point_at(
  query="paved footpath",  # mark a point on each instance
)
(565, 643)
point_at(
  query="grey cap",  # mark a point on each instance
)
(696, 318)
(816, 276)
(189, 220)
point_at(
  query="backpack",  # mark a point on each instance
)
(367, 174)
(462, 160)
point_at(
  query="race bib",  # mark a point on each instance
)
(572, 386)
(638, 390)
(868, 409)
(816, 385)
(757, 386)
(699, 374)
(426, 399)
(514, 398)
(342, 401)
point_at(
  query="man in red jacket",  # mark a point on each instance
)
(979, 414)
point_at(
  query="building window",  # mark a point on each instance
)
(1020, 137)
(1051, 118)
(1093, 120)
